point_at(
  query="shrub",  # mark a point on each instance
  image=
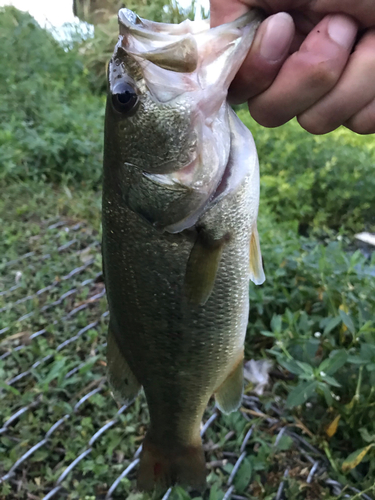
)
(51, 122)
(315, 316)
(323, 182)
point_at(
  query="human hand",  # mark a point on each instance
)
(302, 63)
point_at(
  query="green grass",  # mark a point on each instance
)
(306, 284)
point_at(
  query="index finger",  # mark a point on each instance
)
(224, 11)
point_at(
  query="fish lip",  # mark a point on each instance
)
(131, 21)
(127, 16)
(158, 30)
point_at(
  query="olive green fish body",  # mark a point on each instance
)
(179, 248)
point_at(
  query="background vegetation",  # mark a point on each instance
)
(314, 316)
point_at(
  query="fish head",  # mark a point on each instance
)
(167, 117)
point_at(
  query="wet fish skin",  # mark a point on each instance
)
(180, 202)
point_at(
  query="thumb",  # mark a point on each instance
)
(266, 56)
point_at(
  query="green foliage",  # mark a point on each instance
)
(323, 182)
(162, 11)
(315, 313)
(50, 121)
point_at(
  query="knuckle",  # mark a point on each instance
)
(316, 72)
(320, 74)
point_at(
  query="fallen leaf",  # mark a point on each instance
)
(332, 427)
(355, 458)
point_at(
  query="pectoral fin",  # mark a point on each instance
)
(229, 395)
(256, 264)
(124, 385)
(202, 267)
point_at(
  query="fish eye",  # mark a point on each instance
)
(124, 99)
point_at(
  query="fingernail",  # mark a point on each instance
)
(277, 37)
(342, 30)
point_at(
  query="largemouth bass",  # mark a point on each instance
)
(180, 241)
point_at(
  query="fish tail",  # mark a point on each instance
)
(163, 466)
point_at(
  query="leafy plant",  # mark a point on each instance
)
(323, 182)
(51, 122)
(314, 315)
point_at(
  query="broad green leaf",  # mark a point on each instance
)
(180, 493)
(308, 369)
(301, 393)
(332, 323)
(311, 348)
(55, 371)
(276, 323)
(366, 327)
(331, 381)
(347, 320)
(356, 360)
(326, 392)
(9, 388)
(243, 476)
(330, 365)
(40, 455)
(87, 367)
(228, 467)
(285, 443)
(367, 351)
(266, 333)
(137, 496)
(215, 492)
(291, 365)
(366, 436)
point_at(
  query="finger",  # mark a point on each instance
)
(363, 122)
(353, 92)
(306, 21)
(298, 40)
(308, 74)
(266, 56)
(362, 10)
(224, 11)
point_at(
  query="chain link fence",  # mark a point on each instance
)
(58, 418)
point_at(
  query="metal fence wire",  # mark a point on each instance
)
(57, 412)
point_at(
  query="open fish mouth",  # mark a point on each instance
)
(187, 67)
